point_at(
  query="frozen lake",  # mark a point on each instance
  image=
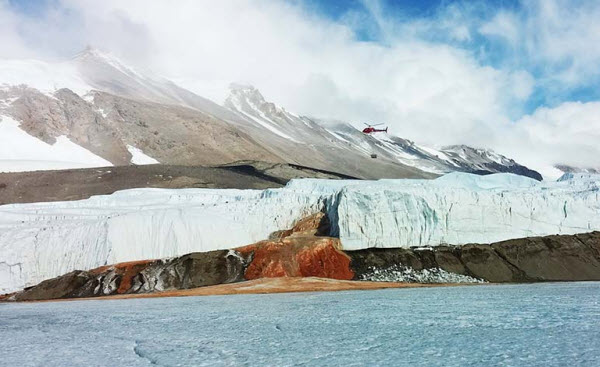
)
(552, 324)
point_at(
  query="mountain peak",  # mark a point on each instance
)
(92, 57)
(246, 92)
(92, 52)
(88, 50)
(241, 87)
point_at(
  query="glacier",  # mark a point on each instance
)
(461, 208)
(43, 240)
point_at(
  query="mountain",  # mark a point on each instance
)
(249, 103)
(570, 169)
(483, 161)
(94, 110)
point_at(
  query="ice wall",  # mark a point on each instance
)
(461, 208)
(43, 240)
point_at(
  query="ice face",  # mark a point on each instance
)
(462, 208)
(44, 240)
(41, 241)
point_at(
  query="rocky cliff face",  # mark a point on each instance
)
(303, 251)
(189, 271)
(533, 259)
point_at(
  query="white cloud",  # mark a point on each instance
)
(12, 45)
(504, 25)
(425, 90)
(559, 37)
(567, 134)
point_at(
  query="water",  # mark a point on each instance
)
(553, 324)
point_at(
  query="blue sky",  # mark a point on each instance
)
(30, 7)
(489, 50)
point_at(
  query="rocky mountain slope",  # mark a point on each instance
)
(570, 169)
(113, 112)
(249, 103)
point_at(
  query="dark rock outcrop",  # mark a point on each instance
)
(64, 286)
(554, 257)
(532, 259)
(189, 271)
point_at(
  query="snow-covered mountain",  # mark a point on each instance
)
(570, 169)
(249, 104)
(90, 102)
(118, 114)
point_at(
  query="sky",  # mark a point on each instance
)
(520, 77)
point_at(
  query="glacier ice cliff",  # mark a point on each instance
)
(43, 240)
(462, 208)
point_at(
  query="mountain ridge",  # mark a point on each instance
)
(113, 111)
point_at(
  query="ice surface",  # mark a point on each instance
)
(20, 151)
(461, 208)
(43, 240)
(554, 324)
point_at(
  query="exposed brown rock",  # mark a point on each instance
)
(592, 240)
(300, 251)
(448, 259)
(313, 225)
(554, 257)
(297, 256)
(127, 271)
(550, 258)
(65, 286)
(484, 263)
(381, 258)
(188, 271)
(173, 134)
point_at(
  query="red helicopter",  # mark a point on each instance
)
(371, 129)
